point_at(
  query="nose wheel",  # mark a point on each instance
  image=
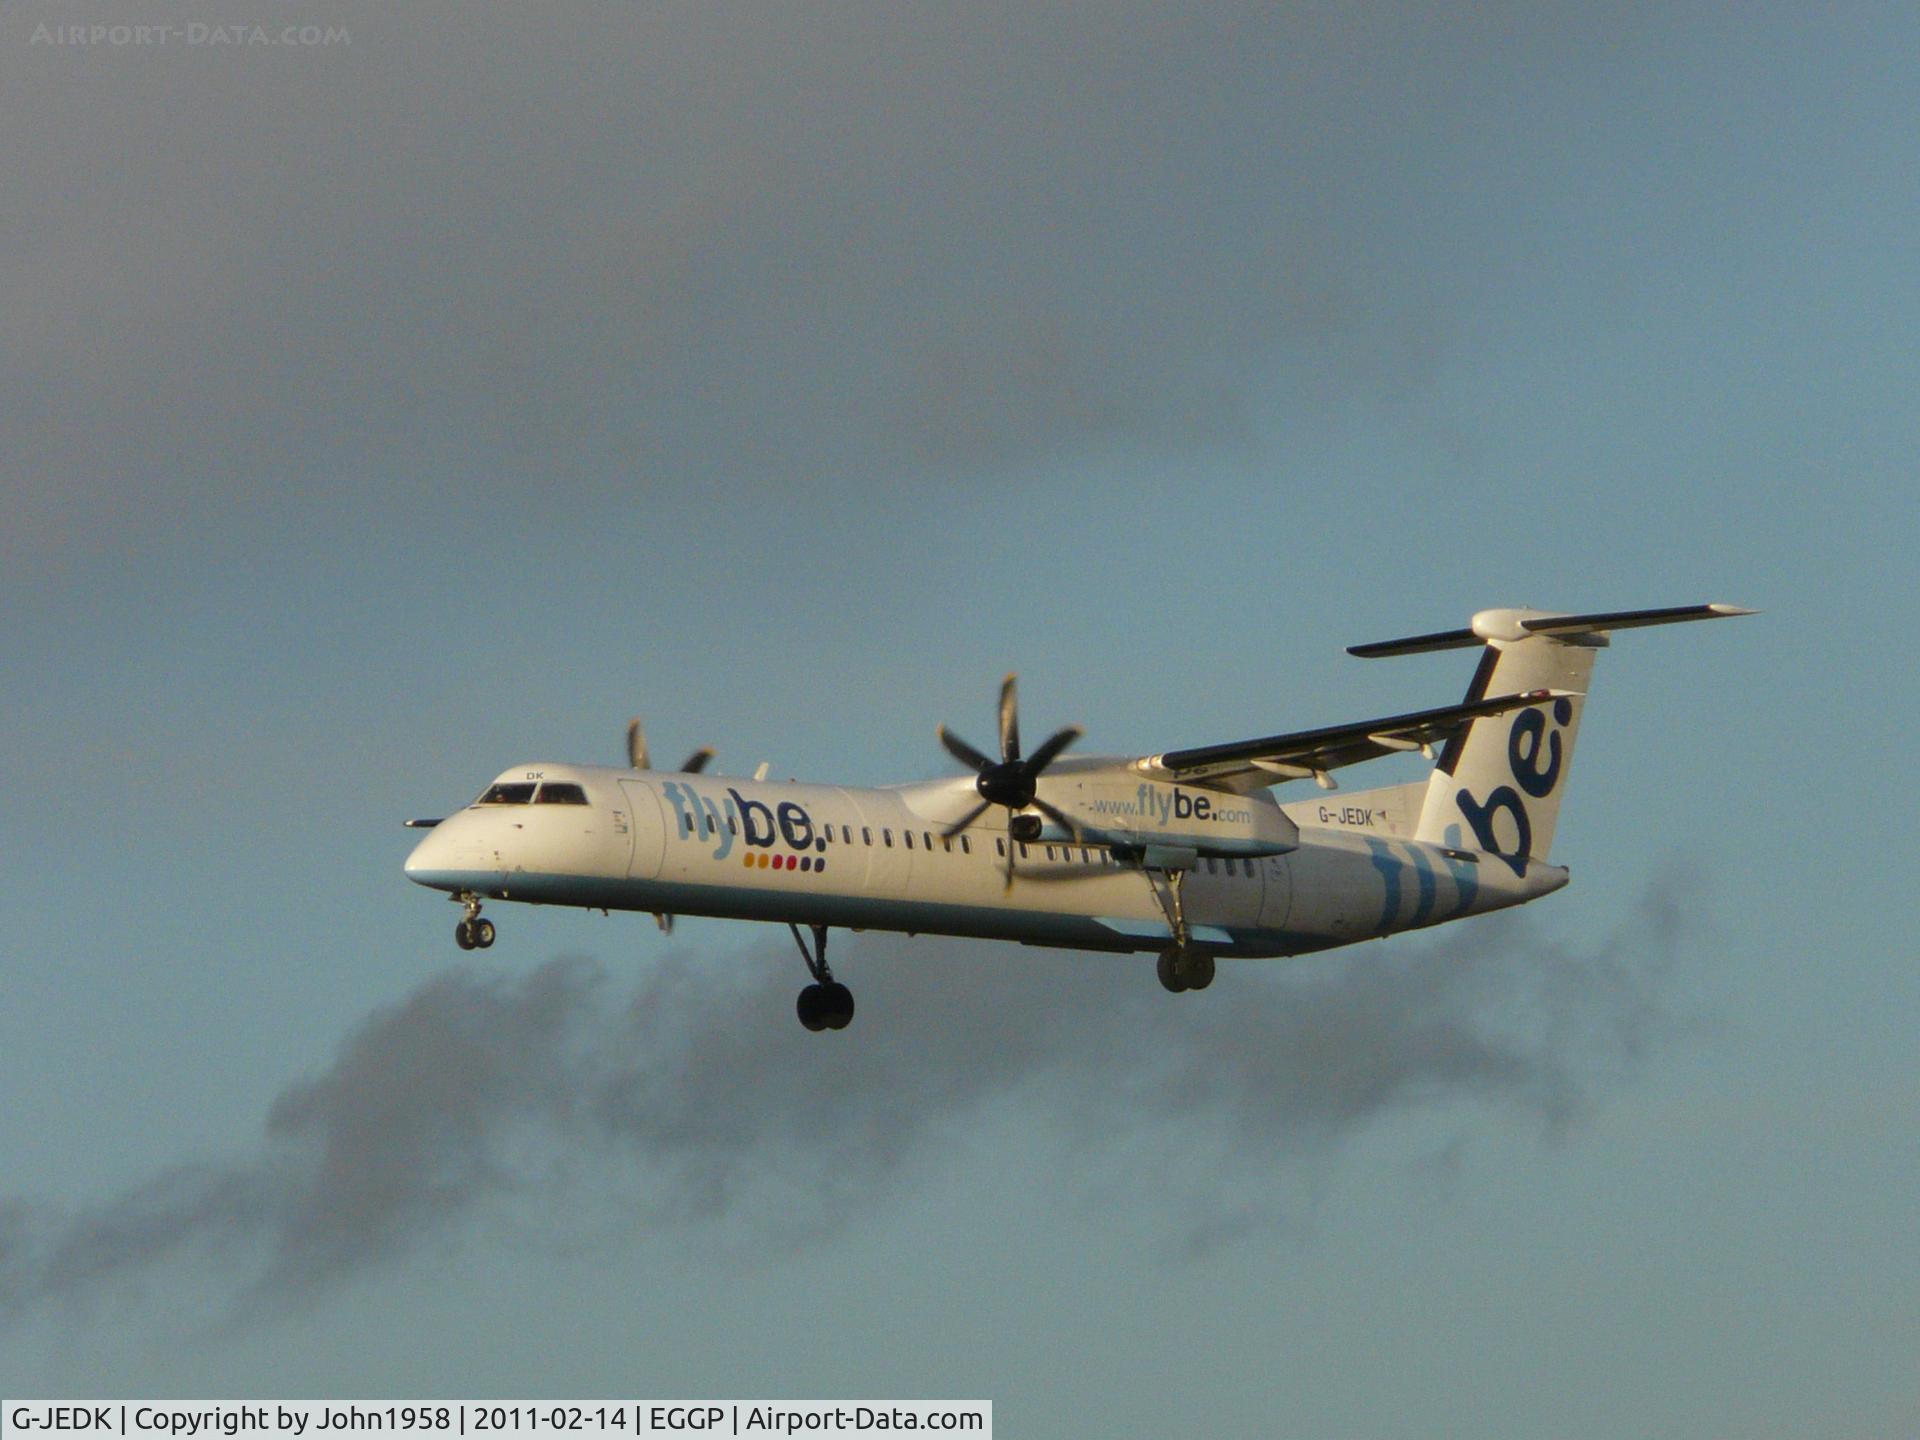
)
(826, 1004)
(472, 933)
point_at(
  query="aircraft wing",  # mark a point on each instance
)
(1273, 758)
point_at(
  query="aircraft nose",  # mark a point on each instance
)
(457, 854)
(422, 861)
(446, 859)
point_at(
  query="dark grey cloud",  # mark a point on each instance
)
(693, 1099)
(506, 260)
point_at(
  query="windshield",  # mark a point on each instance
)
(507, 795)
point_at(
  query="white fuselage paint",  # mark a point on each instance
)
(1257, 885)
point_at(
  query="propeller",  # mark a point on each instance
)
(639, 759)
(1011, 782)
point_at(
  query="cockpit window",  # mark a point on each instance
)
(507, 795)
(555, 793)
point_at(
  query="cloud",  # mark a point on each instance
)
(695, 1100)
(554, 262)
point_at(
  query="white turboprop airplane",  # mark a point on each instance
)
(1185, 853)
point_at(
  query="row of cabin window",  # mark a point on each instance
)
(1088, 856)
(707, 827)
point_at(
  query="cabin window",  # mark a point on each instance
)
(1023, 850)
(846, 833)
(999, 846)
(928, 837)
(886, 834)
(507, 795)
(731, 830)
(907, 835)
(965, 847)
(553, 793)
(946, 844)
(866, 835)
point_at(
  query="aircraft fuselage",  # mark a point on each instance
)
(1255, 883)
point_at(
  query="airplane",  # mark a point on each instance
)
(1186, 854)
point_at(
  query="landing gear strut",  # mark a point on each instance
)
(472, 933)
(1166, 886)
(826, 1004)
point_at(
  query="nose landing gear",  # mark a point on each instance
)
(826, 1004)
(472, 933)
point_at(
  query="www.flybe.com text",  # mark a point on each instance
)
(1161, 805)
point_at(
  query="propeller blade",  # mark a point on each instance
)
(1051, 747)
(965, 820)
(962, 751)
(697, 761)
(637, 745)
(1065, 822)
(1009, 720)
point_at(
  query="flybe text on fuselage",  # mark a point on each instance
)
(734, 817)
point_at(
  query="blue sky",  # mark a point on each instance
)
(388, 413)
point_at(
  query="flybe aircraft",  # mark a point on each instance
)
(1186, 854)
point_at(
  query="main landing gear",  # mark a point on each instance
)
(826, 1004)
(1182, 967)
(472, 933)
(1185, 969)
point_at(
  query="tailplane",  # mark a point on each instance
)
(1497, 785)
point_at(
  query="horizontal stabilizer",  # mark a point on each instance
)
(1628, 619)
(1498, 626)
(1417, 644)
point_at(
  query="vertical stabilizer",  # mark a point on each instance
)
(1497, 785)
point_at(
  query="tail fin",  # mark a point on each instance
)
(1497, 785)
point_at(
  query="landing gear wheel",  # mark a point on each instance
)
(826, 1004)
(1199, 971)
(483, 934)
(839, 1005)
(463, 935)
(1172, 973)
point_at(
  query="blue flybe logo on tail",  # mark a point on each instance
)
(1529, 744)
